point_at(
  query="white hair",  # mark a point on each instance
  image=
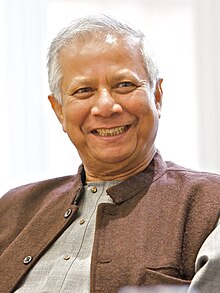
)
(96, 25)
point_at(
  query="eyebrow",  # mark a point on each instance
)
(79, 80)
(122, 74)
(125, 74)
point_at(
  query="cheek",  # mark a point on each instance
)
(140, 105)
(74, 116)
(146, 113)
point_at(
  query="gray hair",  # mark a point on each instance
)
(96, 25)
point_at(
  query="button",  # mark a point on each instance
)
(67, 213)
(27, 259)
(94, 189)
(66, 257)
(82, 222)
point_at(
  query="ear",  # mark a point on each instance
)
(158, 94)
(58, 108)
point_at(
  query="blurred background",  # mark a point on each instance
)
(186, 37)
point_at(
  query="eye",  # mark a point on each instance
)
(125, 87)
(124, 84)
(83, 90)
(83, 93)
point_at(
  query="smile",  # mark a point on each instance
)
(110, 131)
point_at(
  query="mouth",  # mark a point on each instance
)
(111, 131)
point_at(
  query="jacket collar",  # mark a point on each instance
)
(133, 185)
(141, 181)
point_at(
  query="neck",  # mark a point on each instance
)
(115, 173)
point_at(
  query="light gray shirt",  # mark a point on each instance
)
(65, 267)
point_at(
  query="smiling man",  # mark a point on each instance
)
(127, 218)
(108, 108)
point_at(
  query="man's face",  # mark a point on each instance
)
(107, 110)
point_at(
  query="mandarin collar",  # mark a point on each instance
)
(134, 184)
(139, 182)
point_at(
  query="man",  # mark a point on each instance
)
(127, 218)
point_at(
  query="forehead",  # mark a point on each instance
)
(92, 49)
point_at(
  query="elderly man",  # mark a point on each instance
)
(127, 218)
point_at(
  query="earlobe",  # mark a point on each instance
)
(158, 109)
(158, 94)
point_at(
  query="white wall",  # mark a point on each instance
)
(207, 48)
(185, 35)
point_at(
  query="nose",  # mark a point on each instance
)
(105, 105)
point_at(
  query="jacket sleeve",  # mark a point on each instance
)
(207, 277)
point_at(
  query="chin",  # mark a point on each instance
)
(113, 158)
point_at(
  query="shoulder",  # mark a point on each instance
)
(39, 188)
(192, 175)
(33, 196)
(191, 185)
(170, 172)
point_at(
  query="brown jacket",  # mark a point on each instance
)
(150, 235)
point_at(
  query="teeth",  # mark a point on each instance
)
(111, 131)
